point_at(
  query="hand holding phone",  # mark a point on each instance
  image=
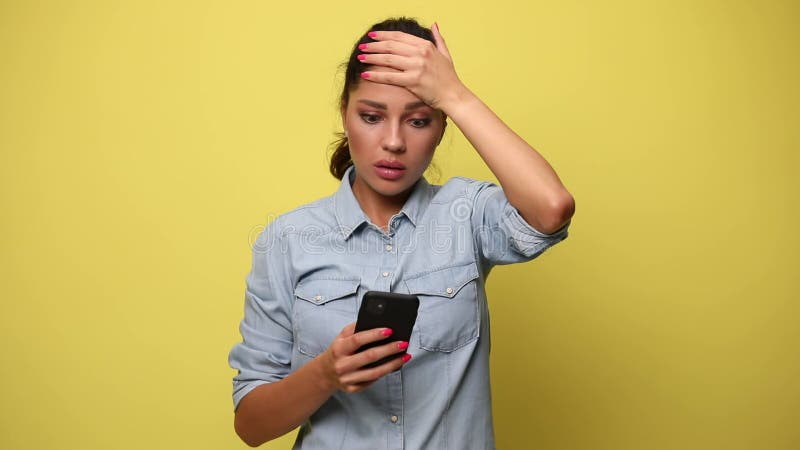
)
(343, 364)
(387, 310)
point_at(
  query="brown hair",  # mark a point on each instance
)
(340, 159)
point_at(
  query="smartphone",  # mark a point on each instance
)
(387, 310)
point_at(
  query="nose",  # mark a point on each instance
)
(393, 139)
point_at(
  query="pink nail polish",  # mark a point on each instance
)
(406, 357)
(362, 57)
(372, 34)
(402, 345)
(386, 332)
(364, 75)
(362, 46)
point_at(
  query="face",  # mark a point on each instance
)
(392, 136)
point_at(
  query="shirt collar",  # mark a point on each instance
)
(417, 202)
(350, 216)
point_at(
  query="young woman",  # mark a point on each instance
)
(387, 229)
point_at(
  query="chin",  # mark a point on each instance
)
(393, 191)
(391, 188)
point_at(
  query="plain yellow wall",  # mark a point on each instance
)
(143, 143)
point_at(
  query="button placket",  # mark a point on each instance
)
(389, 262)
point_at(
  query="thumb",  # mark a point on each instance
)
(437, 37)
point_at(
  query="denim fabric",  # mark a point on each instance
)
(312, 266)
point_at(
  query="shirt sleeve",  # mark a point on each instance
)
(502, 236)
(265, 353)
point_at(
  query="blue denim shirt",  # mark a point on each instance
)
(312, 266)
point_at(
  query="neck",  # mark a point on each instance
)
(379, 208)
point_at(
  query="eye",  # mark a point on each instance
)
(420, 123)
(370, 118)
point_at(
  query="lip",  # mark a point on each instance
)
(389, 170)
(390, 164)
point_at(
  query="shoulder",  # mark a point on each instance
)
(318, 215)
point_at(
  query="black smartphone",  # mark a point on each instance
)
(387, 310)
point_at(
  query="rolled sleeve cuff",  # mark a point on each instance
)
(257, 366)
(526, 239)
(242, 388)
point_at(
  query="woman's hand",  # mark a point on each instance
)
(420, 66)
(343, 366)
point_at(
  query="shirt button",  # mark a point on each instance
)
(394, 419)
(388, 248)
(386, 274)
(317, 297)
(449, 290)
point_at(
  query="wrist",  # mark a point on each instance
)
(458, 99)
(323, 370)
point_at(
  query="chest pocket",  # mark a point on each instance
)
(321, 309)
(448, 317)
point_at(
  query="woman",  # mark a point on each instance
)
(387, 229)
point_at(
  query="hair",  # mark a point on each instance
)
(340, 159)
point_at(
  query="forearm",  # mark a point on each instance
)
(529, 182)
(274, 409)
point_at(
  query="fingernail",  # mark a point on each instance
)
(362, 46)
(386, 332)
(402, 345)
(362, 57)
(372, 34)
(364, 75)
(406, 357)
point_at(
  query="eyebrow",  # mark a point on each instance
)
(379, 105)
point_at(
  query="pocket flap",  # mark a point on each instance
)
(322, 291)
(444, 282)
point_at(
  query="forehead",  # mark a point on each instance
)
(392, 96)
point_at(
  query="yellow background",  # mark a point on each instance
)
(143, 143)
